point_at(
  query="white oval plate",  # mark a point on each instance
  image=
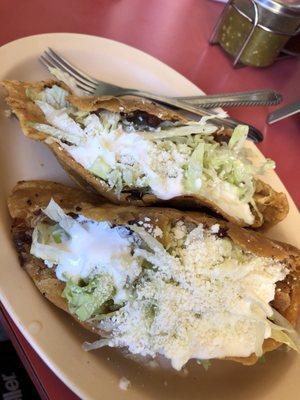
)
(51, 333)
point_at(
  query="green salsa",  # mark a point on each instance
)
(261, 50)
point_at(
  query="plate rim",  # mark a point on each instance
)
(55, 368)
(190, 87)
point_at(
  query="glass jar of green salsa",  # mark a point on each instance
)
(254, 32)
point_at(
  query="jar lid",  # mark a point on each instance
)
(283, 7)
(277, 16)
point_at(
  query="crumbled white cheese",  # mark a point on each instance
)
(179, 230)
(124, 383)
(126, 157)
(215, 228)
(7, 113)
(150, 163)
(203, 298)
(149, 227)
(153, 364)
(157, 232)
(211, 301)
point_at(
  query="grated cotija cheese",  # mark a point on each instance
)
(201, 296)
(206, 298)
(124, 383)
(168, 159)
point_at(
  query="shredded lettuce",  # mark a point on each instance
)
(280, 336)
(96, 345)
(47, 239)
(54, 96)
(129, 177)
(194, 170)
(53, 102)
(219, 114)
(115, 180)
(238, 138)
(56, 233)
(267, 165)
(100, 168)
(157, 255)
(67, 79)
(60, 119)
(57, 133)
(153, 243)
(179, 131)
(33, 94)
(86, 299)
(93, 296)
(262, 360)
(110, 120)
(92, 123)
(186, 158)
(69, 224)
(40, 249)
(205, 364)
(81, 116)
(221, 164)
(283, 332)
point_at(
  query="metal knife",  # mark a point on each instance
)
(284, 112)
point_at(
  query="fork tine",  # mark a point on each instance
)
(84, 89)
(93, 82)
(49, 63)
(61, 66)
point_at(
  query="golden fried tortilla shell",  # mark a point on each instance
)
(28, 198)
(273, 206)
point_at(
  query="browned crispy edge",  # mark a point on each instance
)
(28, 198)
(272, 205)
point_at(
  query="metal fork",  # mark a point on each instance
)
(260, 97)
(99, 88)
(265, 97)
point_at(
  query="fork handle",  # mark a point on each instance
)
(171, 101)
(254, 134)
(248, 98)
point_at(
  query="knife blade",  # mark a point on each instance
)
(284, 112)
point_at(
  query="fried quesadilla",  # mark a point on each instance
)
(157, 281)
(132, 151)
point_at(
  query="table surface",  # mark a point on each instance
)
(176, 32)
